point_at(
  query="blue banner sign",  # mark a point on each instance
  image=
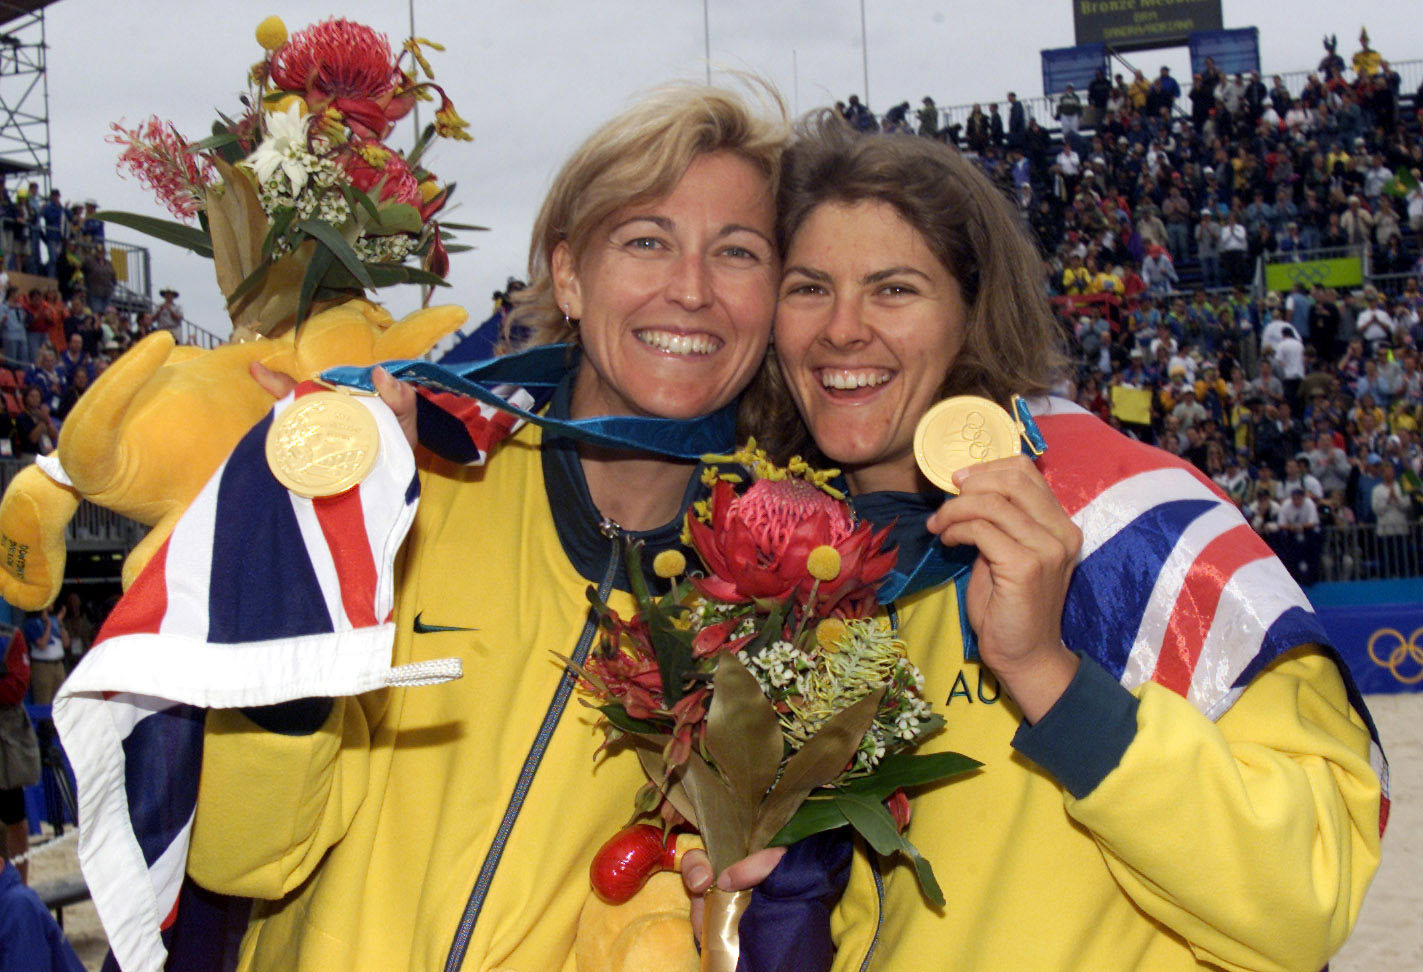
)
(1234, 51)
(1076, 66)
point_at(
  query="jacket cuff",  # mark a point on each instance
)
(299, 717)
(1083, 736)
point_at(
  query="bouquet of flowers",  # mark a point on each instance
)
(764, 699)
(300, 201)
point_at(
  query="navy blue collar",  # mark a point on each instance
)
(577, 519)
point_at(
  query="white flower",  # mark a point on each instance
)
(284, 148)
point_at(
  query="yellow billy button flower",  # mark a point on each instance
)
(429, 189)
(669, 564)
(271, 33)
(823, 563)
(830, 633)
(286, 101)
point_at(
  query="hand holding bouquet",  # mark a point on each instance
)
(764, 699)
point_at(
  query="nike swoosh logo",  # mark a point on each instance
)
(422, 628)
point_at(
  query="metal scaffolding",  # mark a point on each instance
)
(24, 92)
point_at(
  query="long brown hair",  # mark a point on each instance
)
(1012, 344)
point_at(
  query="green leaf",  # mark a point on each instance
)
(396, 218)
(321, 261)
(463, 226)
(215, 141)
(743, 734)
(723, 817)
(904, 771)
(820, 761)
(672, 645)
(389, 274)
(618, 716)
(770, 630)
(230, 152)
(872, 820)
(356, 198)
(458, 248)
(412, 158)
(166, 230)
(816, 814)
(253, 279)
(325, 234)
(280, 224)
(649, 754)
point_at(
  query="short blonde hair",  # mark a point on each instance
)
(638, 156)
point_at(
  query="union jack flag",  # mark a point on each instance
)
(257, 597)
(1172, 585)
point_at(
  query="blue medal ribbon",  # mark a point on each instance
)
(541, 369)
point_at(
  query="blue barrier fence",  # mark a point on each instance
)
(1378, 628)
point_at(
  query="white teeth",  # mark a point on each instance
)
(679, 343)
(845, 378)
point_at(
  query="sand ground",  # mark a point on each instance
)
(1389, 935)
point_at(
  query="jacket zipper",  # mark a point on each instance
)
(482, 883)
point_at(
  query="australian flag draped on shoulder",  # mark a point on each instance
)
(260, 596)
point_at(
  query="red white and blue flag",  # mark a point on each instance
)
(1171, 585)
(257, 597)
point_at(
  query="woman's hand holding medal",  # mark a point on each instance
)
(1027, 549)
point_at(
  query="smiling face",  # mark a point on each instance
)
(869, 323)
(674, 297)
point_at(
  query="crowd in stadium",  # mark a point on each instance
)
(63, 328)
(1153, 211)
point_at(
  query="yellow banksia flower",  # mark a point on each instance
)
(271, 33)
(829, 633)
(669, 564)
(823, 563)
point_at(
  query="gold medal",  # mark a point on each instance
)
(961, 431)
(323, 444)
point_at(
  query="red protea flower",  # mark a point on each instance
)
(758, 543)
(367, 162)
(345, 65)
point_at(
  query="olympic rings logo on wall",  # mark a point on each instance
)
(1404, 658)
(1307, 273)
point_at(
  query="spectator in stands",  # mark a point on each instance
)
(35, 431)
(44, 375)
(1017, 124)
(92, 227)
(75, 359)
(1069, 113)
(928, 116)
(1158, 271)
(169, 315)
(48, 640)
(975, 130)
(74, 388)
(1234, 252)
(99, 279)
(55, 219)
(15, 328)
